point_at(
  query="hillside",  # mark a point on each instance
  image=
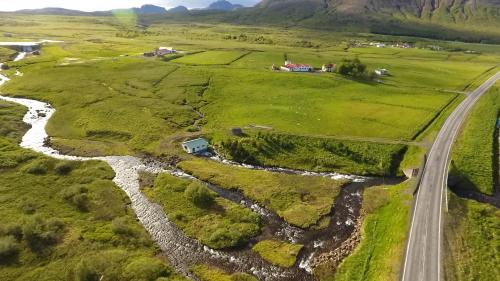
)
(473, 20)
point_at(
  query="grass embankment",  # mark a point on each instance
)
(207, 273)
(66, 220)
(6, 54)
(472, 240)
(201, 214)
(278, 253)
(380, 252)
(314, 154)
(472, 229)
(300, 200)
(473, 155)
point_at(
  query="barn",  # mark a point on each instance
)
(195, 146)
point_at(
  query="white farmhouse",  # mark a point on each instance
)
(381, 71)
(294, 67)
(161, 51)
(195, 146)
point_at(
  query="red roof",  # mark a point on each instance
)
(294, 65)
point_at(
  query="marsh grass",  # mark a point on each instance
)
(300, 200)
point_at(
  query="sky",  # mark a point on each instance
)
(103, 5)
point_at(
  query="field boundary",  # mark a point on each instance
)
(438, 114)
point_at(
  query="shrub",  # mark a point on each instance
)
(146, 269)
(63, 168)
(9, 249)
(27, 207)
(77, 196)
(199, 195)
(85, 272)
(36, 168)
(121, 227)
(40, 233)
(13, 230)
(223, 237)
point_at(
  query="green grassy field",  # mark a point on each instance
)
(278, 253)
(109, 104)
(207, 273)
(218, 223)
(380, 253)
(300, 200)
(66, 220)
(211, 58)
(472, 240)
(473, 155)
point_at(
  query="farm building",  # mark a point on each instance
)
(294, 67)
(381, 71)
(328, 67)
(195, 146)
(161, 51)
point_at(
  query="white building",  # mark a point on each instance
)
(294, 67)
(161, 51)
(195, 146)
(328, 67)
(381, 71)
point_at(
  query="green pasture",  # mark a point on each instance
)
(300, 200)
(218, 224)
(211, 58)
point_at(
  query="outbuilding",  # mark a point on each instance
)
(195, 146)
(381, 72)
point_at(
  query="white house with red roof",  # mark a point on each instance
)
(296, 67)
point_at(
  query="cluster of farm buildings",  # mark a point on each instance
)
(299, 67)
(161, 51)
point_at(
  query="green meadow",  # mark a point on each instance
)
(300, 200)
(66, 220)
(211, 58)
(110, 100)
(278, 253)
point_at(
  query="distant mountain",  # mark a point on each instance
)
(149, 9)
(473, 20)
(59, 11)
(179, 9)
(223, 5)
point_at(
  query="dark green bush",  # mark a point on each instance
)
(40, 233)
(77, 196)
(199, 195)
(9, 249)
(145, 269)
(121, 226)
(37, 167)
(64, 168)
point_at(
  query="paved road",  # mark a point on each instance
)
(423, 254)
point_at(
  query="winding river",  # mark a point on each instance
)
(183, 251)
